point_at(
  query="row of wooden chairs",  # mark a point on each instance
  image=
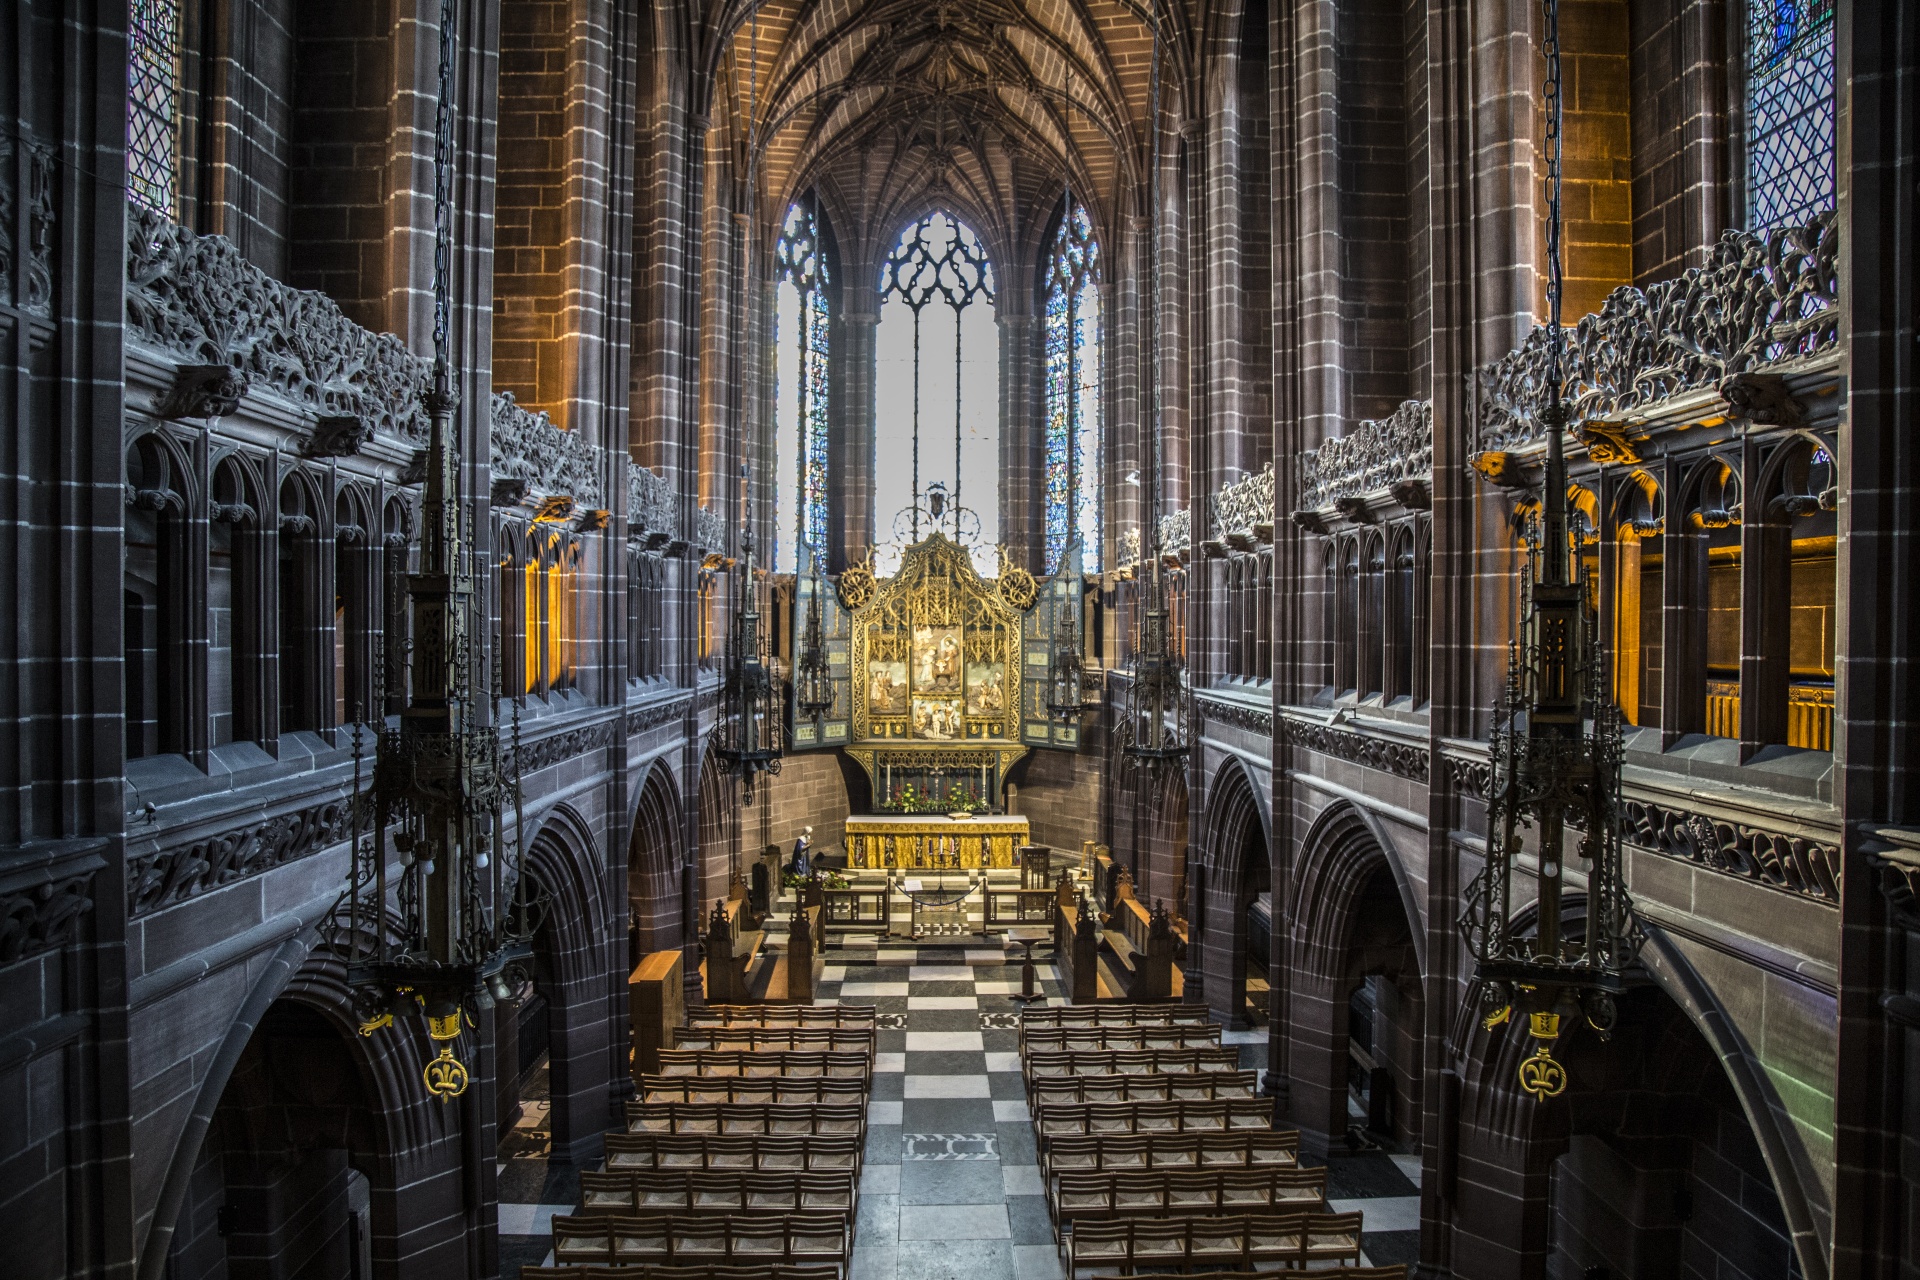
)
(763, 1064)
(602, 1271)
(1115, 1015)
(640, 1191)
(784, 1015)
(1197, 1085)
(755, 1039)
(1185, 1191)
(747, 1153)
(1292, 1239)
(1128, 1062)
(1055, 1039)
(763, 1090)
(1396, 1272)
(703, 1239)
(1135, 1151)
(841, 1117)
(1192, 1115)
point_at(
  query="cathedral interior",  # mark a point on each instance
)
(960, 640)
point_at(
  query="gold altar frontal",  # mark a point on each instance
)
(932, 841)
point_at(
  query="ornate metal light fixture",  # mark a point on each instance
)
(1064, 681)
(1556, 752)
(748, 737)
(812, 676)
(431, 934)
(1153, 726)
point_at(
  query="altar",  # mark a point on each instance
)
(933, 841)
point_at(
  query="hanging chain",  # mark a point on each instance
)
(1552, 92)
(443, 208)
(1152, 540)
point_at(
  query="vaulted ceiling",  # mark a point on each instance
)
(890, 107)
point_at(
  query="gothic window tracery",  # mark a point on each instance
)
(1790, 111)
(937, 296)
(1073, 389)
(153, 35)
(802, 324)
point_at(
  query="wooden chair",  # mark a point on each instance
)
(1332, 1237)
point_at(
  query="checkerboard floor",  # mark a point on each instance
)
(951, 1188)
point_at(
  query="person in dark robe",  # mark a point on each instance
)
(802, 864)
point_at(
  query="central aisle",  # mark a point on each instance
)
(950, 1189)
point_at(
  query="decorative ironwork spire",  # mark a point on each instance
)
(1153, 728)
(748, 739)
(425, 931)
(1556, 750)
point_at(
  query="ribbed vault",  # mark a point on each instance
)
(984, 107)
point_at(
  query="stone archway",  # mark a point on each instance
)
(1654, 1162)
(312, 1141)
(1235, 872)
(1355, 986)
(572, 962)
(658, 913)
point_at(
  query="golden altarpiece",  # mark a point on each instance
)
(940, 681)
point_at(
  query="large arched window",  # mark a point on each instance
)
(938, 381)
(1790, 111)
(1073, 390)
(800, 394)
(153, 34)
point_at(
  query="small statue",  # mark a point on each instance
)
(801, 864)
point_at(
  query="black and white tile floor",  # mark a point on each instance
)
(951, 1189)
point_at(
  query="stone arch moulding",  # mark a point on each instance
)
(298, 970)
(1331, 829)
(653, 871)
(1794, 1180)
(563, 859)
(563, 856)
(1219, 789)
(644, 768)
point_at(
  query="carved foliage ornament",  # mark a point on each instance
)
(43, 917)
(649, 502)
(162, 877)
(528, 446)
(1245, 505)
(1763, 299)
(26, 279)
(1404, 759)
(197, 298)
(1375, 455)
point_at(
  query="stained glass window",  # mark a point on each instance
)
(1790, 111)
(1073, 390)
(153, 34)
(938, 387)
(800, 396)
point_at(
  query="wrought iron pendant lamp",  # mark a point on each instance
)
(1556, 754)
(1153, 727)
(1066, 678)
(444, 928)
(812, 677)
(748, 739)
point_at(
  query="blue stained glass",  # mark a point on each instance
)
(799, 263)
(1790, 111)
(153, 32)
(1073, 390)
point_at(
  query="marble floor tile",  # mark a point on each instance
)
(880, 1180)
(1389, 1213)
(1004, 1062)
(1017, 1180)
(938, 1041)
(883, 1113)
(855, 990)
(889, 1062)
(1010, 1109)
(948, 1087)
(942, 1002)
(955, 1221)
